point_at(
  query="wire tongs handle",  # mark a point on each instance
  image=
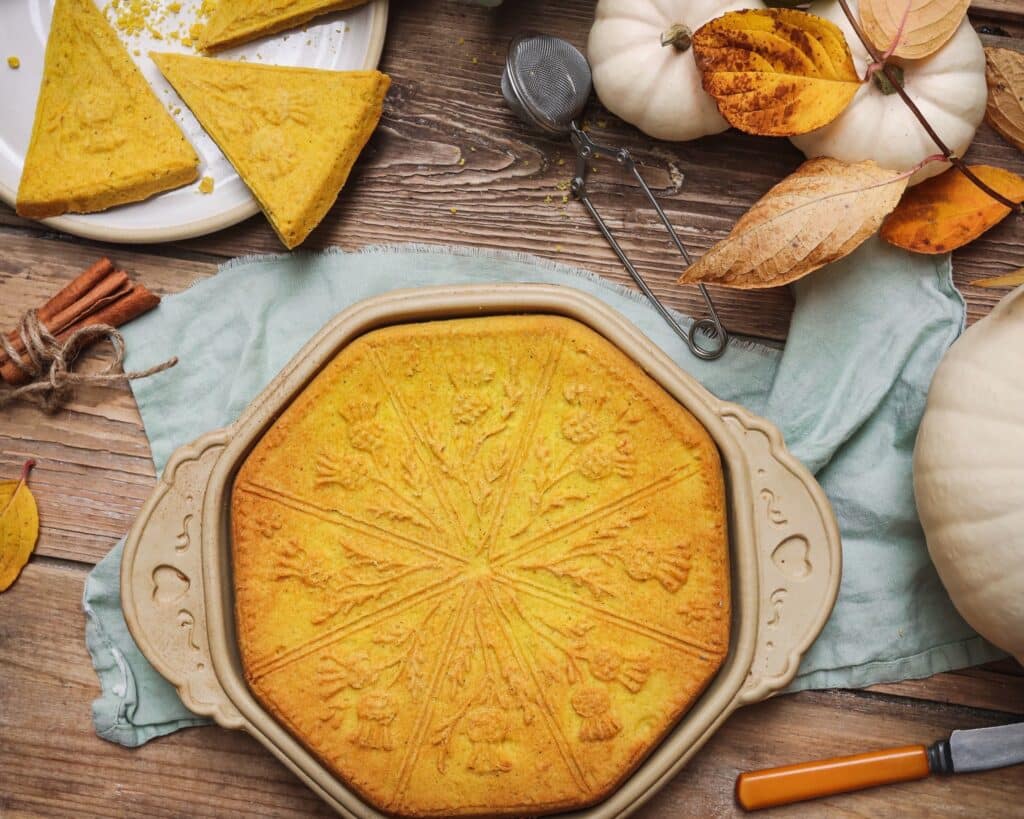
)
(710, 327)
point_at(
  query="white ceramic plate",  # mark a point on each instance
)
(345, 40)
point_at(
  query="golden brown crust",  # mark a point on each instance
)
(481, 566)
(100, 137)
(234, 22)
(292, 133)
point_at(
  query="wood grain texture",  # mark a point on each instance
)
(94, 467)
(47, 686)
(1012, 10)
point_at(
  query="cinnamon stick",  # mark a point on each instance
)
(74, 290)
(66, 296)
(114, 286)
(116, 310)
(108, 289)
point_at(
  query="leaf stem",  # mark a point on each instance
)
(878, 64)
(21, 482)
(950, 157)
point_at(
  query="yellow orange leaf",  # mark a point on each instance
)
(948, 210)
(1004, 73)
(776, 72)
(820, 213)
(19, 527)
(1009, 280)
(922, 26)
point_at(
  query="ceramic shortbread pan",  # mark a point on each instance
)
(179, 594)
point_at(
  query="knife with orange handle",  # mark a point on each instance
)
(978, 749)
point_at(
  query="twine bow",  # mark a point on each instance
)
(48, 362)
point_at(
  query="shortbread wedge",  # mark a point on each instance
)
(292, 134)
(101, 137)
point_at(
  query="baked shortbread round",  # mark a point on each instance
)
(481, 566)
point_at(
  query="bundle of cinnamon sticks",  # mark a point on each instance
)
(99, 295)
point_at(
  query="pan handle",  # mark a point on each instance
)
(798, 550)
(162, 581)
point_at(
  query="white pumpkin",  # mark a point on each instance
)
(969, 474)
(948, 86)
(656, 87)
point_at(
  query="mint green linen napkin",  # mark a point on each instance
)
(847, 392)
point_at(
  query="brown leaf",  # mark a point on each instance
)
(19, 526)
(1009, 280)
(1004, 72)
(948, 210)
(926, 28)
(776, 72)
(820, 213)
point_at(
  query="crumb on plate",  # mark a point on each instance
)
(13, 62)
(206, 184)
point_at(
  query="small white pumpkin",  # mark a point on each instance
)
(969, 474)
(643, 65)
(948, 86)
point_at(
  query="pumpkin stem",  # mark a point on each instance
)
(884, 80)
(679, 36)
(953, 159)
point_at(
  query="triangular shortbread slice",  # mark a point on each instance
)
(237, 21)
(292, 134)
(101, 137)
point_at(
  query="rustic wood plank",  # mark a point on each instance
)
(410, 177)
(53, 763)
(95, 470)
(93, 464)
(508, 193)
(989, 688)
(1012, 10)
(835, 723)
(1007, 666)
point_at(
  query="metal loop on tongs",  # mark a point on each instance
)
(547, 82)
(709, 328)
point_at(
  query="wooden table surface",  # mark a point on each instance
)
(446, 141)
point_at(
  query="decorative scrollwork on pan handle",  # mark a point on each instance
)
(162, 581)
(798, 554)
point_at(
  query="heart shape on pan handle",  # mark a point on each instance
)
(162, 581)
(798, 550)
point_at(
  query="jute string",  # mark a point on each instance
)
(49, 363)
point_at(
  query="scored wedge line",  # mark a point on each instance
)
(336, 516)
(523, 659)
(571, 527)
(371, 618)
(573, 604)
(523, 448)
(414, 436)
(423, 718)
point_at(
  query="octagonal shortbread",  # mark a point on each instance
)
(481, 566)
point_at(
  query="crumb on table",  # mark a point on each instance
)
(206, 184)
(13, 62)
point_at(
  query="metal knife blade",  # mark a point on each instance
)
(981, 749)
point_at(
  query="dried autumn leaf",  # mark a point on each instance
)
(1004, 73)
(928, 24)
(776, 72)
(948, 210)
(1008, 280)
(820, 213)
(19, 527)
